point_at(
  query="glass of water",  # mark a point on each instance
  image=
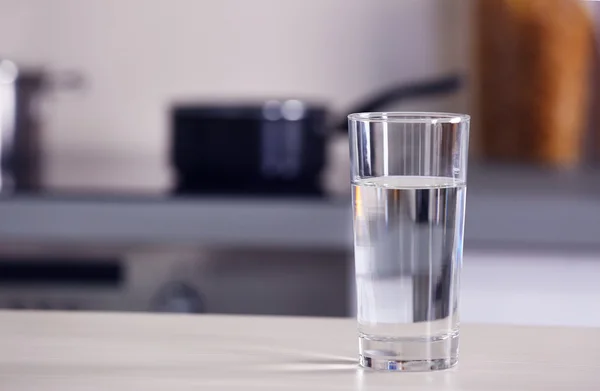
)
(409, 174)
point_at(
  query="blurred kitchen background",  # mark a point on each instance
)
(191, 155)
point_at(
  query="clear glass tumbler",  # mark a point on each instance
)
(409, 174)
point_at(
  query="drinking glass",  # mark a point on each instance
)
(408, 173)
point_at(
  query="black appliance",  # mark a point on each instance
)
(275, 147)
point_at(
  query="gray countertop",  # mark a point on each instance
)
(504, 208)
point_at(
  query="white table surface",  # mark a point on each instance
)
(94, 351)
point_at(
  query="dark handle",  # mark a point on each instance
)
(443, 85)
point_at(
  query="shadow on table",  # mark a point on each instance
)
(317, 365)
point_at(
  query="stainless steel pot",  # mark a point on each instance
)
(20, 125)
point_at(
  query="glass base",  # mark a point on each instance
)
(408, 354)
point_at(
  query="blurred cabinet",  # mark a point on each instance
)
(174, 279)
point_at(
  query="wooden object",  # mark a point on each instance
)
(533, 59)
(92, 351)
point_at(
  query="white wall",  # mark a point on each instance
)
(140, 55)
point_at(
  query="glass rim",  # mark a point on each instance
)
(410, 117)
